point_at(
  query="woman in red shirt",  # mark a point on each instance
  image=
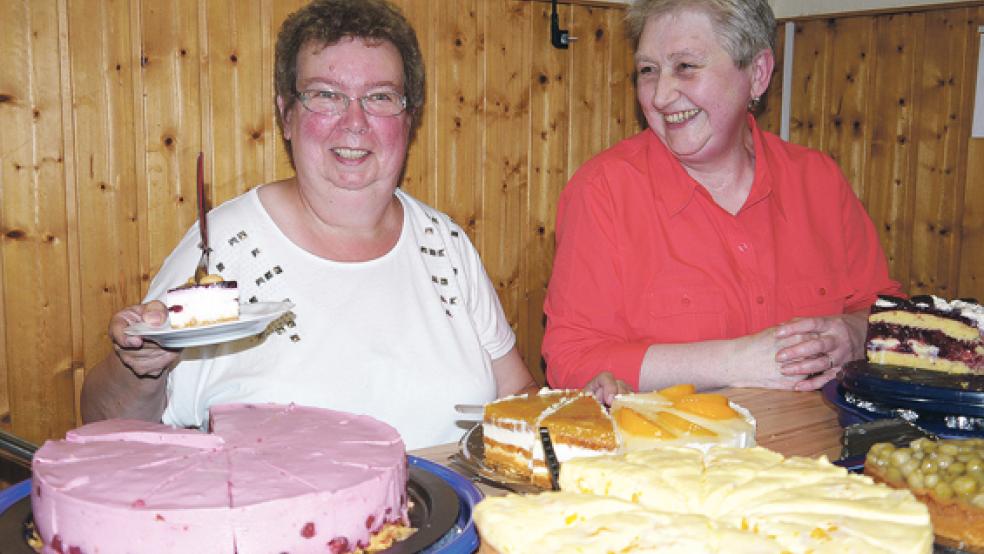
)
(705, 250)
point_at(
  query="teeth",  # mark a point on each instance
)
(351, 153)
(680, 117)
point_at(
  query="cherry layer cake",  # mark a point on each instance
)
(268, 478)
(927, 332)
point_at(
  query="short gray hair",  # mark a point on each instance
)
(744, 27)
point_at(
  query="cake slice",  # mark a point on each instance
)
(579, 427)
(195, 305)
(927, 332)
(509, 429)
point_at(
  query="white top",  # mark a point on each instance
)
(402, 337)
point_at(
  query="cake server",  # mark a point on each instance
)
(202, 270)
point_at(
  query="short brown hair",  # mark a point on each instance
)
(326, 22)
(744, 27)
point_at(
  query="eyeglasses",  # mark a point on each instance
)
(379, 104)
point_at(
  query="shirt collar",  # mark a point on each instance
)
(679, 190)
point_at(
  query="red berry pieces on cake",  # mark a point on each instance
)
(211, 301)
(927, 332)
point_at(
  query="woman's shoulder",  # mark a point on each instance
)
(421, 213)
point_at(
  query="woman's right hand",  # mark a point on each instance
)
(144, 358)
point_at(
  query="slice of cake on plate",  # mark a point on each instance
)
(211, 301)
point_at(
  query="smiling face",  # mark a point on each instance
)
(353, 150)
(690, 90)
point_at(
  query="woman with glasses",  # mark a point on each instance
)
(394, 314)
(714, 252)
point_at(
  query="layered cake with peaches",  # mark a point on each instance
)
(685, 500)
(577, 423)
(681, 416)
(211, 301)
(947, 475)
(579, 426)
(927, 332)
(267, 478)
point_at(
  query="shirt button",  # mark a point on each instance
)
(759, 300)
(685, 301)
(822, 291)
(742, 247)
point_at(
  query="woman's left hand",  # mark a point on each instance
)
(825, 344)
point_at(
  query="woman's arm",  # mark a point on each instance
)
(131, 381)
(511, 375)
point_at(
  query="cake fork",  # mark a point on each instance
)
(202, 269)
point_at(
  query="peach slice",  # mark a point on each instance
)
(682, 426)
(711, 406)
(678, 391)
(635, 423)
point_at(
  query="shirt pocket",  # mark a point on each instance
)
(815, 297)
(685, 314)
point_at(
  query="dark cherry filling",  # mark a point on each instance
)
(949, 348)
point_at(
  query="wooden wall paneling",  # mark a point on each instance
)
(967, 24)
(769, 118)
(171, 68)
(506, 142)
(455, 87)
(35, 235)
(238, 98)
(890, 169)
(591, 92)
(623, 50)
(104, 177)
(550, 76)
(940, 137)
(619, 76)
(809, 83)
(848, 126)
(418, 177)
(275, 152)
(971, 283)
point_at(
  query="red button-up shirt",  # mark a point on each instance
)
(645, 256)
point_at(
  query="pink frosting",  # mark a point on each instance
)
(269, 478)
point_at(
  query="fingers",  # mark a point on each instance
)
(816, 381)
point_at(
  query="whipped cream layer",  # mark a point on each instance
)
(268, 478)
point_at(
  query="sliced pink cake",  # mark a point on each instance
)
(268, 478)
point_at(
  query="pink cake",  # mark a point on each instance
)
(268, 478)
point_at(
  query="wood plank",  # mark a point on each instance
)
(418, 177)
(846, 112)
(101, 71)
(591, 93)
(890, 173)
(809, 83)
(171, 110)
(507, 66)
(454, 112)
(971, 280)
(939, 98)
(550, 73)
(35, 282)
(237, 100)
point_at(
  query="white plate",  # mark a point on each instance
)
(253, 320)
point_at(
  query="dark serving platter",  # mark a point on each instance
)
(854, 408)
(434, 512)
(966, 389)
